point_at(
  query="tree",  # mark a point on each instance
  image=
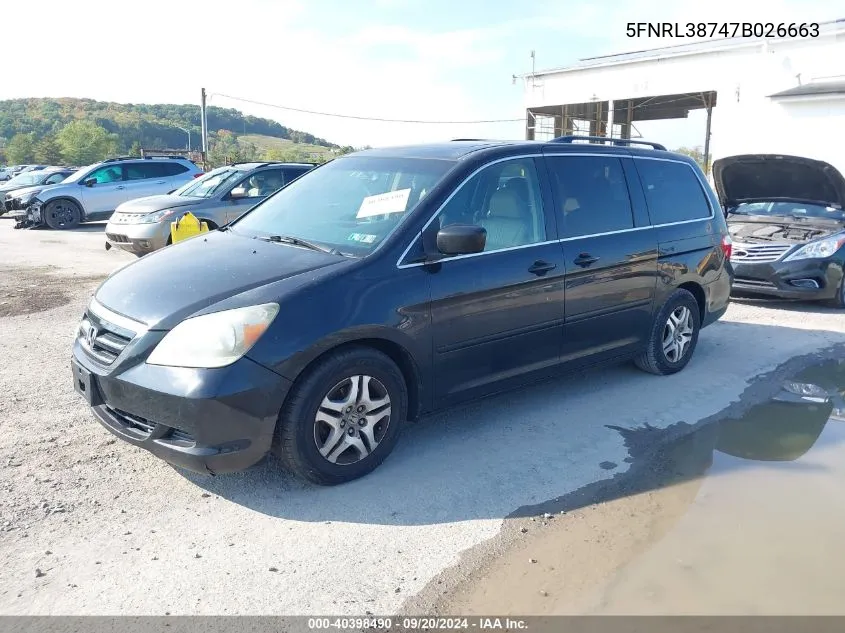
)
(21, 149)
(47, 151)
(135, 150)
(84, 142)
(697, 154)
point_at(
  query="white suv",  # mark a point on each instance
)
(94, 192)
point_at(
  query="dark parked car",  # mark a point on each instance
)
(786, 217)
(392, 282)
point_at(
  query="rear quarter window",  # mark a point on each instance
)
(672, 191)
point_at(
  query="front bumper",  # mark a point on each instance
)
(139, 239)
(809, 279)
(205, 420)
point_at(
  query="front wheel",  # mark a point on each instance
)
(343, 417)
(62, 214)
(839, 300)
(674, 335)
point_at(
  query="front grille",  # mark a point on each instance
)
(137, 422)
(102, 341)
(758, 253)
(754, 283)
(122, 239)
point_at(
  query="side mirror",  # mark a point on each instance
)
(238, 192)
(89, 182)
(461, 239)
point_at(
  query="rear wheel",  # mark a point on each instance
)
(343, 417)
(674, 335)
(62, 214)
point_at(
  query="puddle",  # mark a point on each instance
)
(742, 515)
(27, 290)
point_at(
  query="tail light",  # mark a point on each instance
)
(727, 246)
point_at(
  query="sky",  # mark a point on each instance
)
(430, 60)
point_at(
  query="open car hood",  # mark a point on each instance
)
(774, 177)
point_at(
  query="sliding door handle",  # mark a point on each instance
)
(585, 259)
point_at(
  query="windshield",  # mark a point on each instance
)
(29, 178)
(350, 204)
(79, 174)
(793, 209)
(210, 184)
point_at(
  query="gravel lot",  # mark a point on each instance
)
(91, 525)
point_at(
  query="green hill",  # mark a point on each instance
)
(32, 130)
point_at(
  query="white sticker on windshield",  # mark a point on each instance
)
(383, 203)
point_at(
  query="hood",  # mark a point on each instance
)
(164, 287)
(8, 189)
(783, 230)
(772, 177)
(17, 193)
(149, 204)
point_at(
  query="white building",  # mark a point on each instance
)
(784, 95)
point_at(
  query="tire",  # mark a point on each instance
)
(62, 214)
(306, 426)
(839, 300)
(684, 310)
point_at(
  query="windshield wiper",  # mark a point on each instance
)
(296, 241)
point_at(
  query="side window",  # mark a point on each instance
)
(292, 174)
(672, 191)
(139, 171)
(262, 183)
(171, 169)
(505, 199)
(54, 179)
(591, 193)
(105, 175)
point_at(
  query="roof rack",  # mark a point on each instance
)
(605, 139)
(147, 157)
(456, 140)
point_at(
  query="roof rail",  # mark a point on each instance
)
(455, 140)
(118, 158)
(605, 139)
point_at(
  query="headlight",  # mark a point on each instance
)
(157, 216)
(26, 199)
(819, 249)
(214, 340)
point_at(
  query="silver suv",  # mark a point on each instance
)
(143, 226)
(94, 192)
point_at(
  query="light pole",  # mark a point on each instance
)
(188, 132)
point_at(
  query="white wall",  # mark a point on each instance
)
(744, 119)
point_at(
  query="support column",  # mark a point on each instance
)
(609, 128)
(707, 136)
(530, 122)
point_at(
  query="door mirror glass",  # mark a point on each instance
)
(238, 192)
(461, 239)
(89, 182)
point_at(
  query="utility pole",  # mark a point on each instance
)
(204, 123)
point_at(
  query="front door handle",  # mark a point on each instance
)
(160, 182)
(585, 259)
(120, 187)
(541, 267)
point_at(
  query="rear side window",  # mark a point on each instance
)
(141, 171)
(591, 194)
(672, 191)
(172, 169)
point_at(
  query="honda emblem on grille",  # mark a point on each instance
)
(90, 335)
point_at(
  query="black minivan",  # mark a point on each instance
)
(392, 282)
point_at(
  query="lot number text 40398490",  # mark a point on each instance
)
(721, 29)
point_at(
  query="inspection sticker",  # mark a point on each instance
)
(383, 203)
(362, 237)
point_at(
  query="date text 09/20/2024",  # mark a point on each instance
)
(722, 29)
